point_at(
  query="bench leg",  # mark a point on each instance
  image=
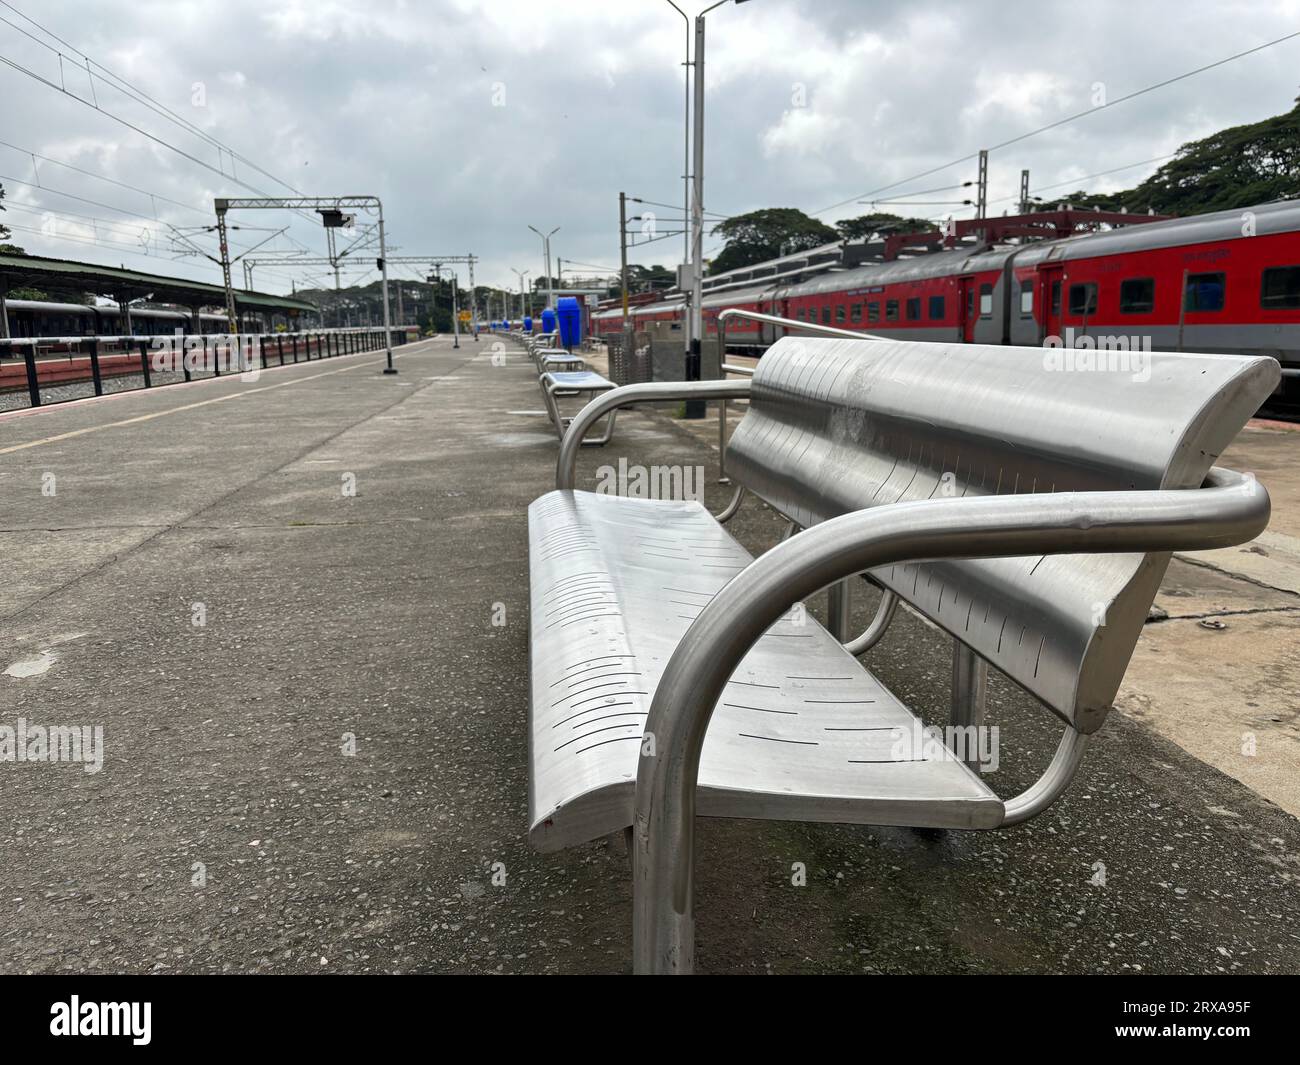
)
(969, 682)
(553, 409)
(609, 433)
(839, 604)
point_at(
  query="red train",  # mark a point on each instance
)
(1225, 282)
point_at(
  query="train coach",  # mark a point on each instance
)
(40, 318)
(1226, 282)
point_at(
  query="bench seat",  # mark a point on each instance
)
(804, 732)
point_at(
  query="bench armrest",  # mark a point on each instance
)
(1229, 509)
(656, 392)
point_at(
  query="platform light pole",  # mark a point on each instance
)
(546, 254)
(522, 308)
(695, 408)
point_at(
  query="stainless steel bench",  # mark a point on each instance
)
(555, 384)
(1028, 513)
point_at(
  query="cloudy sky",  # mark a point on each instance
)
(473, 120)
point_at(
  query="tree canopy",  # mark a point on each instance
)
(4, 230)
(874, 226)
(767, 234)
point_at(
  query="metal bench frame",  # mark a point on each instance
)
(586, 382)
(1229, 509)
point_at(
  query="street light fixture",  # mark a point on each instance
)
(546, 252)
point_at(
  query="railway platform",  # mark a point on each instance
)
(297, 610)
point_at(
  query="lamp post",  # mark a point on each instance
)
(686, 150)
(523, 309)
(546, 253)
(695, 408)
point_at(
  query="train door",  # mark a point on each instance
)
(966, 309)
(1049, 300)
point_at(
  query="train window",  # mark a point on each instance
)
(1137, 295)
(891, 310)
(856, 314)
(1027, 299)
(1280, 287)
(826, 316)
(986, 301)
(839, 313)
(799, 314)
(1204, 292)
(936, 308)
(1083, 298)
(873, 312)
(914, 309)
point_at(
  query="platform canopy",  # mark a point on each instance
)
(36, 271)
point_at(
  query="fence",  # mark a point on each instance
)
(43, 370)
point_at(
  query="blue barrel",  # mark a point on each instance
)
(528, 323)
(570, 316)
(548, 321)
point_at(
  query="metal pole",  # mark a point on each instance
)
(383, 268)
(982, 197)
(550, 288)
(473, 301)
(231, 318)
(694, 408)
(4, 309)
(455, 312)
(622, 250)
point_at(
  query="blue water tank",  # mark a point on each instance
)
(548, 321)
(570, 315)
(528, 323)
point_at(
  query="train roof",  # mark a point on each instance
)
(48, 307)
(1283, 216)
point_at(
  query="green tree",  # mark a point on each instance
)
(875, 226)
(4, 230)
(767, 234)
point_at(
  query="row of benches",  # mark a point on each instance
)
(1029, 513)
(560, 373)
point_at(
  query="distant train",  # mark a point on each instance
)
(1227, 282)
(35, 318)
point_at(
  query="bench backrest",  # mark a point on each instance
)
(841, 425)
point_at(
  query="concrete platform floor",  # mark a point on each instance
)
(329, 773)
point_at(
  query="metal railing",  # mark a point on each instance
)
(165, 358)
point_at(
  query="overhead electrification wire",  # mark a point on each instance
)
(1062, 121)
(139, 95)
